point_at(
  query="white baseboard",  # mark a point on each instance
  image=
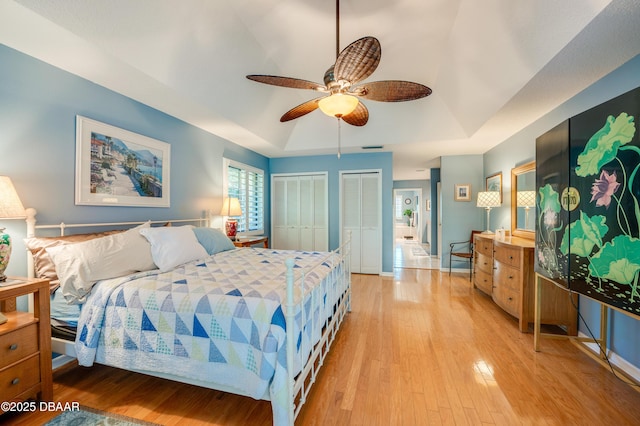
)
(615, 359)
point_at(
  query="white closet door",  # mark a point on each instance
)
(320, 212)
(370, 224)
(292, 208)
(300, 212)
(351, 216)
(279, 212)
(306, 212)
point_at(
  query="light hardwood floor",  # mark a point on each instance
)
(419, 348)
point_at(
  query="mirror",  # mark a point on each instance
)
(523, 200)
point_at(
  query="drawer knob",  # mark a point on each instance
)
(15, 381)
(511, 298)
(510, 257)
(510, 277)
(13, 347)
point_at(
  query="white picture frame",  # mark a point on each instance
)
(116, 167)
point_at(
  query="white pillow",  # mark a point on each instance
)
(80, 265)
(174, 245)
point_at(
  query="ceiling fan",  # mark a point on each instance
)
(342, 88)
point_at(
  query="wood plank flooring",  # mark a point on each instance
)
(418, 348)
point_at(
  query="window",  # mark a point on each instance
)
(247, 184)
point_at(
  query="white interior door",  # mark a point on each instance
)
(351, 216)
(370, 223)
(320, 214)
(361, 216)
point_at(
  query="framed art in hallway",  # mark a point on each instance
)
(462, 192)
(116, 167)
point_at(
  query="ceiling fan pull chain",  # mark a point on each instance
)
(338, 137)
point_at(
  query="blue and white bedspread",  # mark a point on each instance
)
(219, 320)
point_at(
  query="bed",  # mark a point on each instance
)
(251, 321)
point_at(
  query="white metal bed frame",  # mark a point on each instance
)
(299, 385)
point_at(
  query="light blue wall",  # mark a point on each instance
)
(459, 218)
(425, 189)
(332, 165)
(520, 148)
(38, 108)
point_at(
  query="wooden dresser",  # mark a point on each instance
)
(504, 270)
(25, 344)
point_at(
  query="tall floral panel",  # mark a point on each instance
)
(588, 203)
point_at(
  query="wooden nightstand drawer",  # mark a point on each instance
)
(19, 378)
(18, 344)
(25, 344)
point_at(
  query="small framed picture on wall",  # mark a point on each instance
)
(462, 192)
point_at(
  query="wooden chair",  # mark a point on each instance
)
(464, 250)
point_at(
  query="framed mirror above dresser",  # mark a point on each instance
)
(523, 200)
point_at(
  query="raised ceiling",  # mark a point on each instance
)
(494, 66)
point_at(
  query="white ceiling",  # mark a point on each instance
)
(495, 66)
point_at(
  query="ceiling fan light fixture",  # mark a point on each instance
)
(338, 104)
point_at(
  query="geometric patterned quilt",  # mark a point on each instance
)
(219, 320)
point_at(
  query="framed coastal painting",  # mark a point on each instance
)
(462, 192)
(116, 167)
(494, 183)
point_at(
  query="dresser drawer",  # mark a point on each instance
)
(508, 255)
(18, 344)
(484, 281)
(19, 378)
(507, 299)
(484, 246)
(507, 277)
(484, 263)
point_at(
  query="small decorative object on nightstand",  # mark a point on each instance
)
(230, 209)
(25, 344)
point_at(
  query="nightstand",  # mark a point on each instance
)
(25, 343)
(249, 241)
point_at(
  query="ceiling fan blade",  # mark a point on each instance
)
(358, 60)
(391, 91)
(300, 110)
(294, 83)
(358, 117)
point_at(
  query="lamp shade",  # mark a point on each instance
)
(488, 199)
(10, 205)
(526, 198)
(231, 207)
(338, 104)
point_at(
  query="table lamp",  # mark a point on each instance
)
(488, 200)
(230, 208)
(10, 208)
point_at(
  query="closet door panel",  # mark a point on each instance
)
(306, 212)
(351, 216)
(370, 239)
(279, 212)
(320, 212)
